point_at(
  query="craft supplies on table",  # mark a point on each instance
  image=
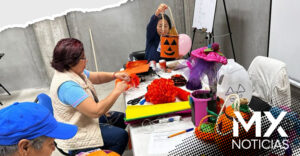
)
(139, 112)
(181, 132)
(142, 88)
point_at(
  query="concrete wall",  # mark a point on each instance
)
(48, 33)
(119, 31)
(249, 22)
(21, 67)
(115, 35)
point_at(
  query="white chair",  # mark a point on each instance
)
(270, 81)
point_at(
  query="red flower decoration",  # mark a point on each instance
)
(182, 94)
(161, 91)
(164, 91)
(215, 47)
(134, 81)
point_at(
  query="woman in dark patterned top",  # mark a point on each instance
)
(154, 31)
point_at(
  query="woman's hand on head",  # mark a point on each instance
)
(161, 8)
(122, 76)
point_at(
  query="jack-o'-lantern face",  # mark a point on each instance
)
(169, 46)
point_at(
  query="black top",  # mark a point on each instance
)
(1, 54)
(152, 40)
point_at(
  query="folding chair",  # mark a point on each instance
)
(270, 81)
(137, 55)
(1, 55)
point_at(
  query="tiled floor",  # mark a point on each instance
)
(30, 95)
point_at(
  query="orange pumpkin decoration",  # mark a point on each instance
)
(103, 153)
(169, 47)
(202, 135)
(169, 43)
(224, 130)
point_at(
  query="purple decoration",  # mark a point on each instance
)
(197, 71)
(289, 151)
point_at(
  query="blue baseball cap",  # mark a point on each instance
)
(28, 120)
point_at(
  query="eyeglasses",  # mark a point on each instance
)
(83, 58)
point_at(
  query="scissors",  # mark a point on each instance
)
(135, 101)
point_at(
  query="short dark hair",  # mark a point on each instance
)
(166, 17)
(66, 54)
(37, 143)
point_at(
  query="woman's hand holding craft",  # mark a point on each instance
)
(121, 86)
(122, 76)
(161, 8)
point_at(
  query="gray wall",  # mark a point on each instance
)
(115, 35)
(48, 33)
(119, 31)
(249, 22)
(21, 67)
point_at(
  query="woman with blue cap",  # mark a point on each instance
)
(29, 129)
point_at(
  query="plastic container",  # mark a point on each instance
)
(200, 101)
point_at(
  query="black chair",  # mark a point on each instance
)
(1, 55)
(137, 55)
(259, 105)
(5, 89)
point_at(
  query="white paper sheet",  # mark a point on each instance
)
(204, 14)
(160, 144)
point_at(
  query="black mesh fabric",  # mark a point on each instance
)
(290, 124)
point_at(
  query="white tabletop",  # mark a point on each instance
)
(151, 140)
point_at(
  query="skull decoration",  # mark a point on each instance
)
(234, 79)
(169, 47)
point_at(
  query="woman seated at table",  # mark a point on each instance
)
(154, 31)
(75, 101)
